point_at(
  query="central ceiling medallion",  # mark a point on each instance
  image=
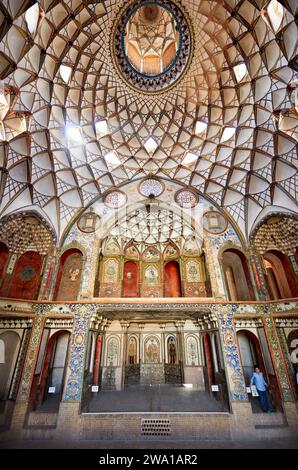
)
(152, 44)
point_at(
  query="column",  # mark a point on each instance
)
(231, 355)
(278, 360)
(46, 288)
(181, 353)
(277, 355)
(209, 362)
(259, 281)
(214, 355)
(242, 419)
(23, 395)
(97, 360)
(124, 327)
(68, 422)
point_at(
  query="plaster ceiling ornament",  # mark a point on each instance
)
(152, 225)
(115, 199)
(23, 233)
(186, 198)
(151, 187)
(214, 222)
(71, 127)
(277, 233)
(89, 221)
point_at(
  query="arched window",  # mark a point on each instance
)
(131, 279)
(26, 277)
(237, 275)
(69, 275)
(172, 280)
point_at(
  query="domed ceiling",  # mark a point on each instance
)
(72, 126)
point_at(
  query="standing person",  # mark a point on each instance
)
(258, 380)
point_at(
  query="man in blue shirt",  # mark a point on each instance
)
(257, 379)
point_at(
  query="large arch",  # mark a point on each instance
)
(237, 275)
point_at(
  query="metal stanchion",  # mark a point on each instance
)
(159, 397)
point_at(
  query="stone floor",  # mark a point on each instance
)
(142, 398)
(36, 444)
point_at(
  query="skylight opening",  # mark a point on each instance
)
(240, 71)
(65, 73)
(150, 145)
(31, 18)
(112, 158)
(200, 127)
(276, 13)
(228, 133)
(189, 159)
(74, 135)
(102, 128)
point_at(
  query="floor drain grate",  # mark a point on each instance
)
(156, 427)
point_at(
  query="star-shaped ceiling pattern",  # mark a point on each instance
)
(152, 226)
(71, 128)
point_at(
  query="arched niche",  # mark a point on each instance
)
(9, 349)
(4, 255)
(172, 279)
(192, 351)
(132, 350)
(171, 350)
(131, 279)
(69, 275)
(26, 278)
(237, 276)
(280, 276)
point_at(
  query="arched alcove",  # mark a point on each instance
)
(69, 275)
(26, 278)
(131, 279)
(4, 255)
(237, 275)
(280, 276)
(172, 279)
